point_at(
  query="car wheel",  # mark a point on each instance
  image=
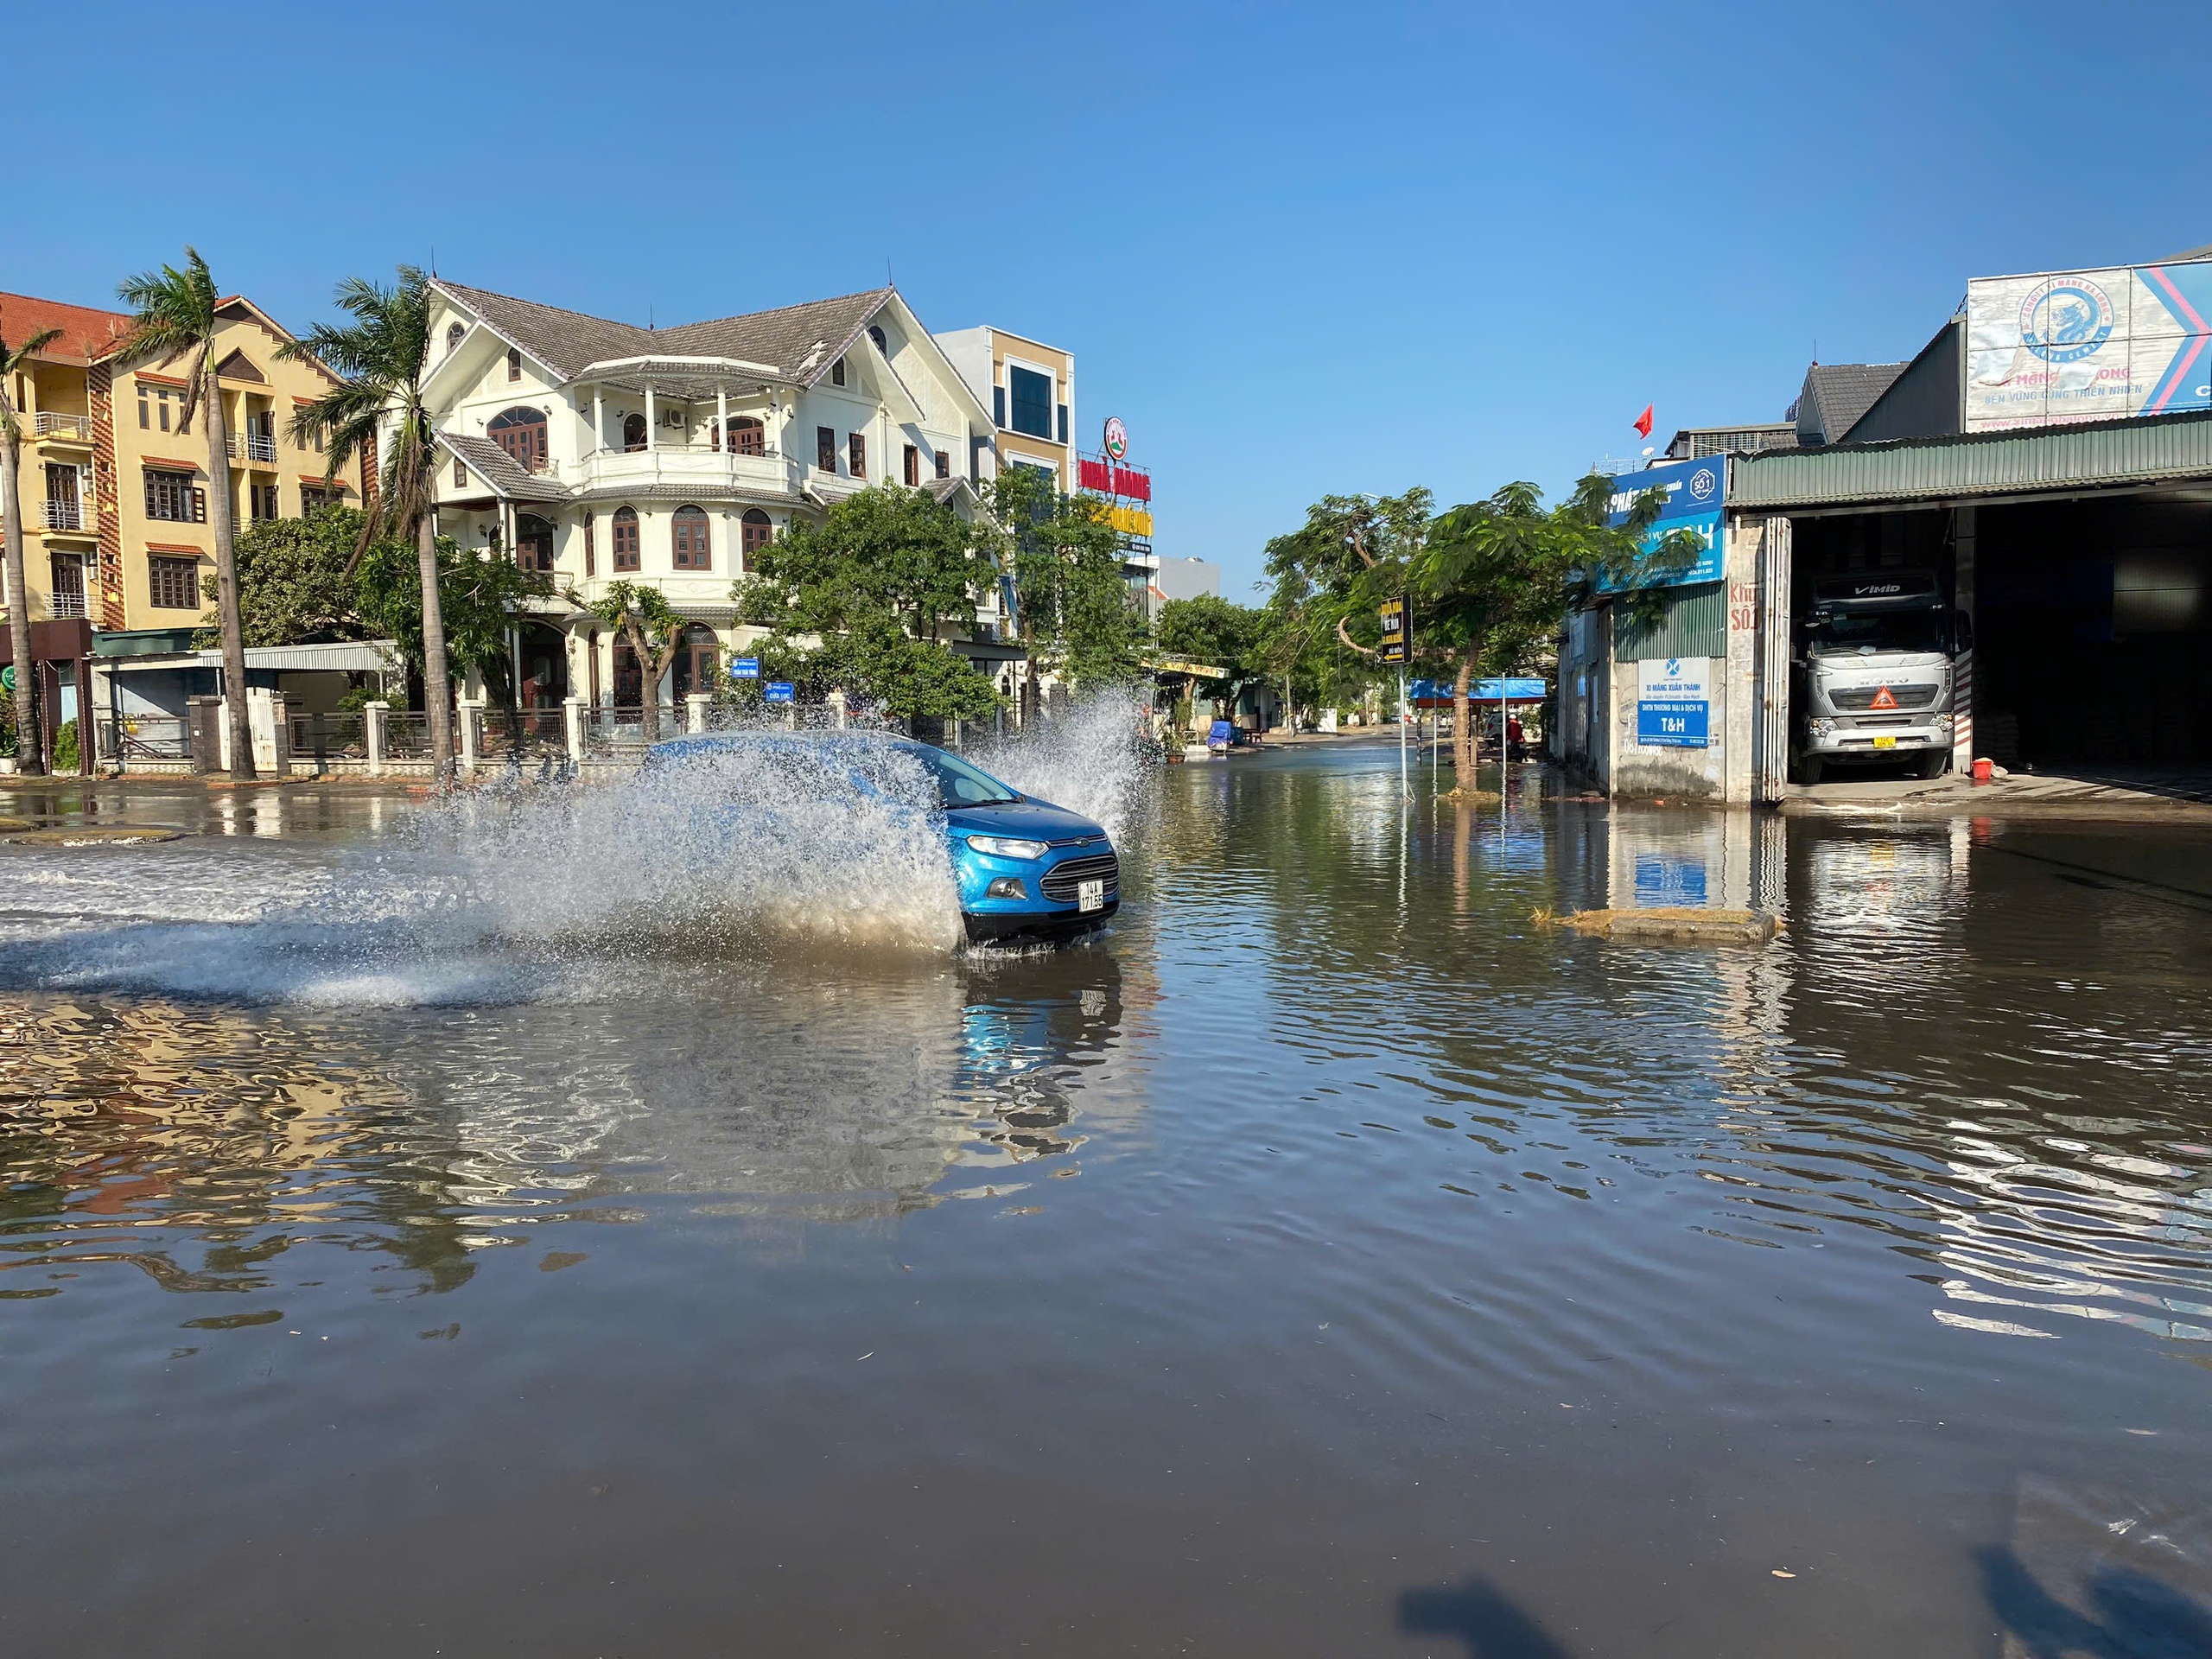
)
(1807, 769)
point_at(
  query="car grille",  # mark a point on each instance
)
(1855, 698)
(1059, 882)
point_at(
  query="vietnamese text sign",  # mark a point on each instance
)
(1694, 490)
(2088, 345)
(780, 691)
(1394, 629)
(1672, 710)
(745, 667)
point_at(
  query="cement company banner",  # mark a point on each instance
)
(2088, 345)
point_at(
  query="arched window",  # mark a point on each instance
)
(533, 541)
(756, 531)
(514, 363)
(691, 547)
(453, 336)
(696, 662)
(633, 433)
(875, 333)
(521, 433)
(746, 436)
(625, 539)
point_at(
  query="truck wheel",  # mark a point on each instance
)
(1807, 769)
(1932, 764)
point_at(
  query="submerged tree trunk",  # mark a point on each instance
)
(1463, 726)
(30, 739)
(226, 579)
(437, 690)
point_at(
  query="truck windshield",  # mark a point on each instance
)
(1865, 633)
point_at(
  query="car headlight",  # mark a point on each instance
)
(1824, 727)
(1007, 846)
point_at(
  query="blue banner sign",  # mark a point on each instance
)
(780, 691)
(745, 667)
(1694, 490)
(1673, 709)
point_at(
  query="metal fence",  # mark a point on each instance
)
(407, 735)
(142, 737)
(338, 735)
(616, 731)
(514, 733)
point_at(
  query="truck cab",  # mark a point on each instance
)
(1871, 674)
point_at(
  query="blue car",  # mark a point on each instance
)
(1025, 868)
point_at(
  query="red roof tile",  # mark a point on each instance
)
(86, 332)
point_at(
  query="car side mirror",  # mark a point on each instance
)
(1963, 629)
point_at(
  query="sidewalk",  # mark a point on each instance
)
(2120, 794)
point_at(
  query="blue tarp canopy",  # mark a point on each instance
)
(1517, 688)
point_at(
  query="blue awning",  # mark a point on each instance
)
(1514, 688)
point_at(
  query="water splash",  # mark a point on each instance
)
(1092, 756)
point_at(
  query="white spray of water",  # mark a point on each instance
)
(1092, 758)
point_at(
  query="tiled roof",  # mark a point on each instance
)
(507, 476)
(797, 342)
(86, 332)
(1837, 394)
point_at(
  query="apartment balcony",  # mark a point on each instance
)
(254, 448)
(65, 515)
(63, 428)
(677, 463)
(64, 605)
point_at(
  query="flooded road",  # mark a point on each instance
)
(1328, 1260)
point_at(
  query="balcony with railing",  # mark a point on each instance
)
(256, 447)
(65, 515)
(50, 424)
(65, 605)
(675, 460)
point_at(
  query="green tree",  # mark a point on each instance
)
(175, 318)
(13, 364)
(382, 358)
(476, 597)
(1494, 579)
(1211, 630)
(868, 599)
(643, 616)
(1329, 578)
(1076, 615)
(296, 580)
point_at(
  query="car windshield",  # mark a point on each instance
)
(959, 784)
(1844, 632)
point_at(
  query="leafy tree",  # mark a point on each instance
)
(18, 594)
(476, 597)
(175, 318)
(868, 600)
(296, 580)
(383, 356)
(1331, 575)
(1076, 615)
(643, 616)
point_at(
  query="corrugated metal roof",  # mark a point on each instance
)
(2091, 455)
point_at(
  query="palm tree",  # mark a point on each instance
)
(382, 358)
(176, 319)
(29, 741)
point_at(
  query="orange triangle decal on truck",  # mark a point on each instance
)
(1883, 699)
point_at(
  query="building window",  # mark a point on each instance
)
(1063, 422)
(154, 408)
(756, 530)
(514, 365)
(591, 548)
(1030, 396)
(262, 501)
(453, 332)
(825, 449)
(875, 333)
(746, 436)
(521, 433)
(625, 539)
(633, 434)
(314, 497)
(460, 474)
(998, 405)
(533, 543)
(837, 372)
(173, 584)
(944, 463)
(691, 545)
(856, 455)
(173, 498)
(913, 467)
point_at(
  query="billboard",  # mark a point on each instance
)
(2088, 345)
(1694, 489)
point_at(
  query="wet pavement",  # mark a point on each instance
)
(1327, 1260)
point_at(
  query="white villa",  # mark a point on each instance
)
(598, 451)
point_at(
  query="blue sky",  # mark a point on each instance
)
(1298, 249)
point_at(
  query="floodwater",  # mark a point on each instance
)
(1328, 1260)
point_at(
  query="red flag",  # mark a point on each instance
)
(1644, 423)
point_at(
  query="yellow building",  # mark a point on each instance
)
(1029, 388)
(114, 486)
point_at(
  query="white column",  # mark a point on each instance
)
(470, 707)
(695, 710)
(652, 420)
(598, 419)
(373, 719)
(572, 722)
(721, 413)
(1962, 663)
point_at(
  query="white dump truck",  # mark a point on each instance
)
(1873, 674)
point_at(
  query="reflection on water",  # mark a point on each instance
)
(1326, 1260)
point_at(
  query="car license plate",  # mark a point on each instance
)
(1886, 742)
(1090, 895)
